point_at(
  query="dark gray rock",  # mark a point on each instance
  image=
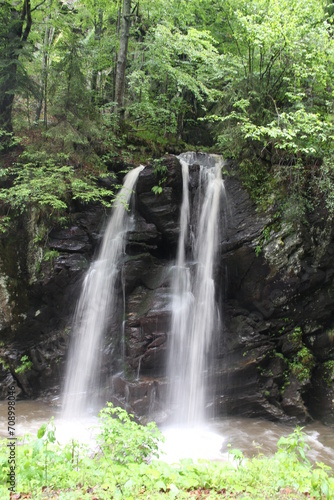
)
(163, 209)
(266, 287)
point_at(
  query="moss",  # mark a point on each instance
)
(296, 337)
(4, 364)
(36, 235)
(302, 364)
(330, 334)
(328, 375)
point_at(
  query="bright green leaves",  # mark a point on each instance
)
(295, 444)
(50, 185)
(47, 432)
(298, 132)
(175, 69)
(24, 366)
(121, 467)
(260, 72)
(277, 104)
(124, 441)
(188, 59)
(160, 172)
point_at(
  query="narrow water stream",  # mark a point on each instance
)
(96, 308)
(195, 315)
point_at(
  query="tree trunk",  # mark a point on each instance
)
(49, 31)
(98, 25)
(122, 57)
(114, 71)
(13, 40)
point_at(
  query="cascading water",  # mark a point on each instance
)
(96, 307)
(194, 312)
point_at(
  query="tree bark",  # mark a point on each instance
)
(13, 40)
(49, 31)
(98, 25)
(122, 57)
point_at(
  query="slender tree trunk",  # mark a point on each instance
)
(116, 55)
(49, 31)
(28, 110)
(122, 57)
(98, 24)
(15, 39)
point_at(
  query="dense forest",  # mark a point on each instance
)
(87, 85)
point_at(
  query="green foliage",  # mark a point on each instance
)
(295, 444)
(25, 365)
(160, 171)
(50, 255)
(263, 238)
(296, 337)
(328, 372)
(259, 73)
(50, 184)
(173, 77)
(44, 467)
(124, 441)
(75, 123)
(4, 364)
(277, 105)
(46, 434)
(303, 364)
(325, 183)
(236, 454)
(7, 141)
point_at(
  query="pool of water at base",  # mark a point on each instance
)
(211, 441)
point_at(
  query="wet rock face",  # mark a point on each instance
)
(278, 305)
(276, 302)
(163, 209)
(35, 317)
(39, 286)
(273, 354)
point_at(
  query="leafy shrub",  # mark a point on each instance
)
(122, 440)
(50, 184)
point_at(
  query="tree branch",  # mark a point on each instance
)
(38, 5)
(27, 13)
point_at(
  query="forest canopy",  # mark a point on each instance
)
(87, 83)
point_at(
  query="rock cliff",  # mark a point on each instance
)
(274, 354)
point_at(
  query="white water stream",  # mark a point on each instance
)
(96, 307)
(194, 310)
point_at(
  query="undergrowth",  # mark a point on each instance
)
(124, 466)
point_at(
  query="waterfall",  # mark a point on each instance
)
(194, 310)
(96, 307)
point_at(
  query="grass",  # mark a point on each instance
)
(124, 467)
